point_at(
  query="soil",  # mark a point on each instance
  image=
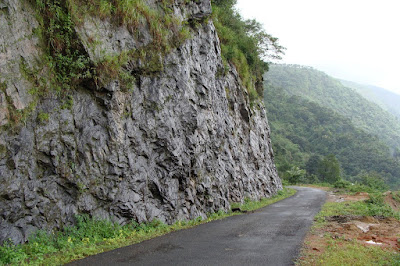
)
(368, 230)
(333, 196)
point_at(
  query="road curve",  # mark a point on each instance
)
(270, 236)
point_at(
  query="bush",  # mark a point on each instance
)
(342, 184)
(10, 253)
(359, 188)
(376, 199)
(373, 180)
(378, 207)
(295, 175)
(311, 179)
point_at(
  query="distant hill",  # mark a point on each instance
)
(316, 86)
(302, 130)
(388, 100)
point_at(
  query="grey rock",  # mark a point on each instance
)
(18, 46)
(9, 232)
(3, 109)
(177, 145)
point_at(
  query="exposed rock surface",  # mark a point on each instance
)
(180, 144)
(17, 44)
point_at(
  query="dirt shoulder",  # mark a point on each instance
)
(341, 232)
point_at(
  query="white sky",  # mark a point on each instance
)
(356, 40)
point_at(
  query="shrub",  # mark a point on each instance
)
(66, 56)
(372, 180)
(295, 175)
(342, 184)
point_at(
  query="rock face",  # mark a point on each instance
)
(178, 145)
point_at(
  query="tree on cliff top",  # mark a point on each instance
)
(245, 44)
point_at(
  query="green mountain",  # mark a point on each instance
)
(328, 92)
(388, 100)
(312, 116)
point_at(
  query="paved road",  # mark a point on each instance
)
(270, 236)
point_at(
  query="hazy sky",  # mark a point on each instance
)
(357, 40)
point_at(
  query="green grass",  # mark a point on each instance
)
(396, 196)
(250, 205)
(372, 207)
(92, 236)
(43, 117)
(340, 252)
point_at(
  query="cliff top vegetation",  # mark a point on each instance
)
(245, 44)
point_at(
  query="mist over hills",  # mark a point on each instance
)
(316, 86)
(388, 100)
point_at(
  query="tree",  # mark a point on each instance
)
(245, 44)
(295, 174)
(329, 169)
(313, 164)
(371, 179)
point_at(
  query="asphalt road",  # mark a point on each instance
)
(270, 236)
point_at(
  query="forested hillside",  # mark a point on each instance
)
(305, 135)
(388, 100)
(320, 88)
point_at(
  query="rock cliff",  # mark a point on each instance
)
(177, 144)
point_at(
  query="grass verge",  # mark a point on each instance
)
(375, 206)
(342, 252)
(92, 236)
(250, 205)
